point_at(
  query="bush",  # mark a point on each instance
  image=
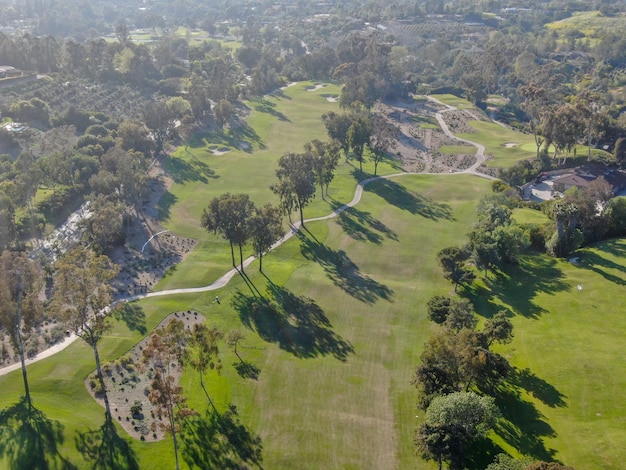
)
(57, 334)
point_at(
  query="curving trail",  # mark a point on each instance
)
(295, 227)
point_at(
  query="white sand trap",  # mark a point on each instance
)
(288, 85)
(511, 145)
(316, 87)
(219, 151)
(331, 98)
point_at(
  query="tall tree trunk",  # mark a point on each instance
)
(173, 429)
(241, 256)
(232, 253)
(301, 214)
(260, 261)
(107, 406)
(20, 344)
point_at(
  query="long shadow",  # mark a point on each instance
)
(183, 171)
(30, 440)
(599, 265)
(522, 425)
(361, 225)
(537, 387)
(613, 247)
(105, 449)
(220, 440)
(268, 108)
(132, 315)
(164, 206)
(243, 132)
(517, 285)
(280, 94)
(481, 453)
(342, 270)
(296, 323)
(397, 195)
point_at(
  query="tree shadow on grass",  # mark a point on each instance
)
(481, 453)
(247, 370)
(342, 270)
(397, 195)
(164, 206)
(516, 286)
(537, 387)
(105, 449)
(600, 265)
(220, 440)
(296, 323)
(615, 246)
(361, 225)
(269, 108)
(29, 439)
(522, 425)
(132, 315)
(194, 170)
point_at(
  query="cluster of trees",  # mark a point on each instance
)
(238, 220)
(584, 216)
(358, 129)
(494, 241)
(106, 165)
(455, 366)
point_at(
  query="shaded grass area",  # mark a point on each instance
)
(29, 439)
(561, 401)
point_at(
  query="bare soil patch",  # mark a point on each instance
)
(140, 270)
(128, 384)
(417, 146)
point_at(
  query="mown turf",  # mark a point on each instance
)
(524, 216)
(337, 323)
(495, 138)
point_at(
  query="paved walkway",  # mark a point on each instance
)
(295, 227)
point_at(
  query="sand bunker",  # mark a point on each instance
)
(219, 150)
(331, 98)
(510, 145)
(316, 87)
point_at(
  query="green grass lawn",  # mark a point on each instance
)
(525, 216)
(453, 100)
(495, 139)
(337, 322)
(571, 340)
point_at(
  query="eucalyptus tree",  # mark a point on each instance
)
(230, 215)
(296, 182)
(82, 293)
(21, 282)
